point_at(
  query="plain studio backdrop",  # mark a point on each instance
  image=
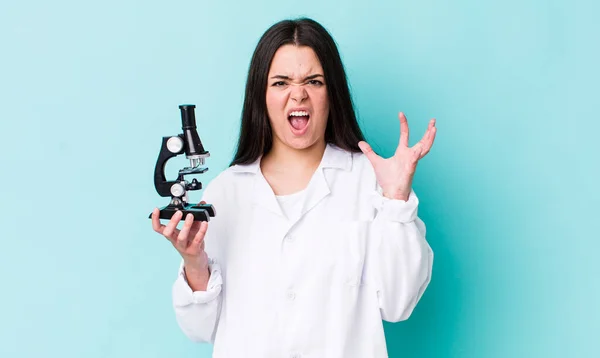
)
(509, 192)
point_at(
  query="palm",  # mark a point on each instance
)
(189, 241)
(395, 174)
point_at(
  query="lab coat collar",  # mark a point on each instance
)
(333, 157)
(318, 187)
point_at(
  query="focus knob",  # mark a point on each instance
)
(175, 145)
(177, 190)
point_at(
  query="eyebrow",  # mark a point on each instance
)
(282, 77)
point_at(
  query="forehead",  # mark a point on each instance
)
(295, 61)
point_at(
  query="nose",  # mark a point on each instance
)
(299, 94)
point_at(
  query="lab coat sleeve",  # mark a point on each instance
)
(400, 259)
(197, 312)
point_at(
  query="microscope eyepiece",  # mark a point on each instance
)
(193, 145)
(188, 117)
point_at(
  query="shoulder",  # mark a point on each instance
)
(355, 162)
(229, 180)
(355, 166)
(363, 169)
(360, 161)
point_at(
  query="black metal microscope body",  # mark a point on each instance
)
(189, 143)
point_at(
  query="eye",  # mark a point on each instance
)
(315, 83)
(278, 84)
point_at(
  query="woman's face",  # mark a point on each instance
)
(297, 102)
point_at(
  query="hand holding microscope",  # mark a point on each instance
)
(189, 143)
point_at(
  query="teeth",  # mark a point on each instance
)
(299, 113)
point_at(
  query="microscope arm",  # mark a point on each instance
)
(163, 187)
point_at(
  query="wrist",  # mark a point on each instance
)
(196, 270)
(197, 278)
(395, 194)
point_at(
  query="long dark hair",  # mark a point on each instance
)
(256, 137)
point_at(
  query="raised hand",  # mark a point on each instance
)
(395, 174)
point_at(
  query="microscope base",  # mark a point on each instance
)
(201, 212)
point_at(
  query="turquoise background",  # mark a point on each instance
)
(509, 191)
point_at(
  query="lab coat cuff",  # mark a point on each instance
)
(183, 294)
(396, 210)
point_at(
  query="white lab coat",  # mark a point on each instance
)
(316, 287)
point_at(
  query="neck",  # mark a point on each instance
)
(292, 160)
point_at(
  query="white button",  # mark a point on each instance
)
(291, 295)
(289, 238)
(297, 355)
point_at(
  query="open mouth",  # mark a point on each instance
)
(299, 121)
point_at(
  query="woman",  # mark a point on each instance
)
(317, 238)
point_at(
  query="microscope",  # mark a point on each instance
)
(189, 143)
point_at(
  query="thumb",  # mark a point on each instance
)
(368, 151)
